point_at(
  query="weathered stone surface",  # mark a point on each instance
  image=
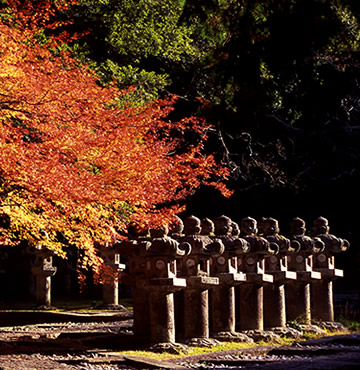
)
(262, 335)
(174, 348)
(333, 326)
(286, 332)
(202, 342)
(228, 336)
(314, 329)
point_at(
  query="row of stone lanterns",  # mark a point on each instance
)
(255, 279)
(204, 275)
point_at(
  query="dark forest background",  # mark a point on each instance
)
(278, 82)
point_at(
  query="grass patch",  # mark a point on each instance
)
(194, 351)
(227, 346)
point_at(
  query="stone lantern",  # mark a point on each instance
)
(251, 314)
(135, 251)
(195, 268)
(43, 270)
(277, 266)
(152, 275)
(225, 267)
(298, 292)
(324, 262)
(111, 258)
(161, 281)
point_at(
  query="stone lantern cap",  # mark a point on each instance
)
(307, 244)
(160, 270)
(111, 257)
(271, 232)
(43, 261)
(324, 262)
(258, 244)
(195, 266)
(332, 243)
(228, 232)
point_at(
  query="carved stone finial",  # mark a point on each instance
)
(207, 227)
(223, 225)
(192, 226)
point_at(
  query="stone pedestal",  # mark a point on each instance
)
(196, 323)
(111, 294)
(250, 307)
(43, 289)
(196, 306)
(223, 302)
(299, 302)
(322, 291)
(250, 314)
(299, 296)
(274, 305)
(223, 309)
(162, 322)
(322, 299)
(299, 292)
(161, 307)
(274, 294)
(141, 312)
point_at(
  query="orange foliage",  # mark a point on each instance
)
(72, 162)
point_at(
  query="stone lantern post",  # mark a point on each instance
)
(277, 266)
(324, 262)
(161, 282)
(225, 267)
(195, 268)
(251, 307)
(298, 292)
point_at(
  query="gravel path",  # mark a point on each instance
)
(96, 344)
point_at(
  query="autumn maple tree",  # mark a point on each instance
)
(76, 166)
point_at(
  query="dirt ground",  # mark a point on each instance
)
(66, 345)
(93, 341)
